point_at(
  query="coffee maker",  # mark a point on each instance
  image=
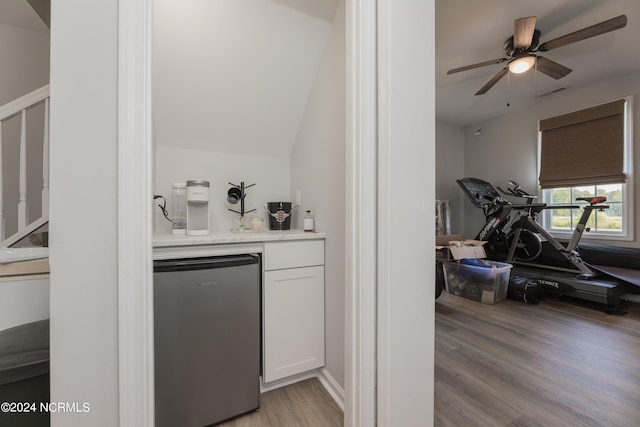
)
(197, 208)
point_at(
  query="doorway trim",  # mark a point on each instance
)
(135, 219)
(361, 216)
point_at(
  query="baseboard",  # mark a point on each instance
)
(332, 387)
(264, 387)
(328, 382)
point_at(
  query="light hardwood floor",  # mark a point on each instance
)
(303, 404)
(561, 363)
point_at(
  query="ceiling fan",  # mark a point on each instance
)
(520, 49)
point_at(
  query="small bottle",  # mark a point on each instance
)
(308, 222)
(179, 208)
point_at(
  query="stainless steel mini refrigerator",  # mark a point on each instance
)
(207, 339)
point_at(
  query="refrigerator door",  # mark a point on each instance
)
(207, 341)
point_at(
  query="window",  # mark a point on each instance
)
(564, 184)
(609, 221)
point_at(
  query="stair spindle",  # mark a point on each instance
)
(45, 161)
(22, 201)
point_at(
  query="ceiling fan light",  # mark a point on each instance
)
(522, 64)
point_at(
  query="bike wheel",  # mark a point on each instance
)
(528, 247)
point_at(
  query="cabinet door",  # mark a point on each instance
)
(293, 321)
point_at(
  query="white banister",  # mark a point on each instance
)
(1, 187)
(22, 201)
(45, 162)
(19, 226)
(24, 102)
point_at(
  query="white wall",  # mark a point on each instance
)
(25, 61)
(507, 147)
(234, 76)
(270, 174)
(318, 171)
(84, 211)
(23, 300)
(449, 167)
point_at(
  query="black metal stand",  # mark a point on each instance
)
(242, 189)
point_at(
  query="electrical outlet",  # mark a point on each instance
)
(298, 198)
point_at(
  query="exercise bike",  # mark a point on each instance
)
(514, 235)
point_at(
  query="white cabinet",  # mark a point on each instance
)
(293, 308)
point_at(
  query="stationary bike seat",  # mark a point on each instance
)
(593, 200)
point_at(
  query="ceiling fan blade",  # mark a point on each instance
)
(523, 32)
(585, 33)
(478, 65)
(551, 68)
(493, 81)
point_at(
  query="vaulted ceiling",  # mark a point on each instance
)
(235, 76)
(29, 14)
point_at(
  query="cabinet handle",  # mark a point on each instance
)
(294, 278)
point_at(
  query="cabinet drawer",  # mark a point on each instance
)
(303, 253)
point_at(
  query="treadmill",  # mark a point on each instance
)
(513, 236)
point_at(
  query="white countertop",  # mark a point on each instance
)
(227, 237)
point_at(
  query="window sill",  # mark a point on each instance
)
(588, 236)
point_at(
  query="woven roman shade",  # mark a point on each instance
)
(585, 147)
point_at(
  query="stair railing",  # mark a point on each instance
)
(7, 111)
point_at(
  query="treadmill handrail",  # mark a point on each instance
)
(529, 205)
(563, 207)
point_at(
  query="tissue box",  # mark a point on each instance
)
(488, 285)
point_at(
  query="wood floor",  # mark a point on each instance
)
(303, 404)
(560, 363)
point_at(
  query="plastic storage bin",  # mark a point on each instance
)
(488, 285)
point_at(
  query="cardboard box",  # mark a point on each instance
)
(452, 247)
(442, 246)
(445, 239)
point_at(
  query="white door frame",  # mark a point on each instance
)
(390, 301)
(405, 237)
(135, 220)
(361, 215)
(376, 347)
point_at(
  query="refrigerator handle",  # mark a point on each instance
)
(204, 263)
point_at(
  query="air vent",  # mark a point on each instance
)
(560, 89)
